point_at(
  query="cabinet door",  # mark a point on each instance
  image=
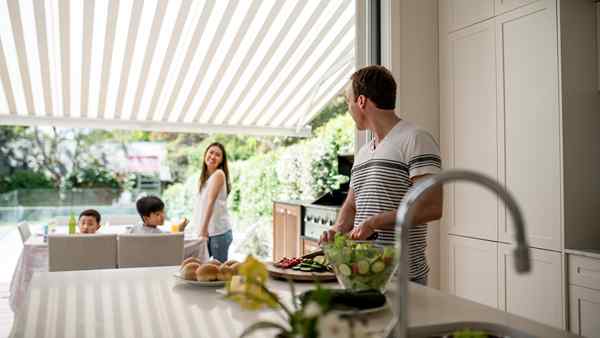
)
(463, 13)
(584, 311)
(292, 231)
(473, 123)
(473, 269)
(528, 64)
(279, 218)
(537, 295)
(503, 6)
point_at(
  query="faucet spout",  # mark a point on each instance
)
(405, 215)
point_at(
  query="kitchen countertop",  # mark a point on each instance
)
(150, 301)
(591, 253)
(292, 202)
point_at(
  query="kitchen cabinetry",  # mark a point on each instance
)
(529, 102)
(471, 105)
(286, 230)
(309, 246)
(463, 13)
(584, 296)
(503, 6)
(473, 269)
(519, 102)
(537, 295)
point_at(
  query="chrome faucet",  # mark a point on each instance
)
(404, 218)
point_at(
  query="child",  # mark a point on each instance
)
(152, 211)
(89, 221)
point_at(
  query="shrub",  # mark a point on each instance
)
(25, 180)
(92, 177)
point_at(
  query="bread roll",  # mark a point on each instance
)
(224, 273)
(207, 272)
(190, 260)
(235, 268)
(189, 270)
(215, 262)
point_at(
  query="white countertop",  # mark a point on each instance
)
(590, 253)
(149, 302)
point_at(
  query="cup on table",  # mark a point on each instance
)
(174, 228)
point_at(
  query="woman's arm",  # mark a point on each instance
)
(213, 192)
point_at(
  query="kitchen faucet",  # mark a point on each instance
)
(404, 217)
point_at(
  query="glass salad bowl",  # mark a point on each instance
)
(360, 265)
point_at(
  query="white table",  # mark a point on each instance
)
(34, 258)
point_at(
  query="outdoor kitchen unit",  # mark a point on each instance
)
(297, 225)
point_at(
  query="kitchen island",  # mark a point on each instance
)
(150, 302)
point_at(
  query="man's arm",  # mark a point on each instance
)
(428, 208)
(345, 220)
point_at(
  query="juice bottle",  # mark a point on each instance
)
(72, 224)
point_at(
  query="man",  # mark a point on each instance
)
(399, 155)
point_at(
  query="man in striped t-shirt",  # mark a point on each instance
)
(399, 155)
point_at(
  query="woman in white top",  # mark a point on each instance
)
(210, 217)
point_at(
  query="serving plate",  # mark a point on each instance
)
(215, 283)
(361, 312)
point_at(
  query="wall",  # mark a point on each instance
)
(410, 51)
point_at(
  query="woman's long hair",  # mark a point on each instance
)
(222, 166)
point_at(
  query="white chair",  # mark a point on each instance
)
(24, 231)
(82, 252)
(140, 250)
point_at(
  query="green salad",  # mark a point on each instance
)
(360, 265)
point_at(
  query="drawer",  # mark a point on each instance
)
(584, 271)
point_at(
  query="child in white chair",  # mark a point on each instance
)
(152, 212)
(89, 221)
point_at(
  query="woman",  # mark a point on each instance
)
(210, 216)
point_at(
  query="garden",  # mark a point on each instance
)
(49, 172)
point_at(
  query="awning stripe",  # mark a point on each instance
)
(6, 86)
(184, 70)
(182, 17)
(240, 34)
(243, 97)
(326, 55)
(204, 65)
(243, 67)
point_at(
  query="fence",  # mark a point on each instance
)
(35, 205)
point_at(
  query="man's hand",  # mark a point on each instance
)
(361, 232)
(329, 235)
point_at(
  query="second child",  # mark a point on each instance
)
(152, 212)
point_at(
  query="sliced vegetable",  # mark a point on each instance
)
(345, 270)
(363, 267)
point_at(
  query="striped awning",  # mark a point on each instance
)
(230, 66)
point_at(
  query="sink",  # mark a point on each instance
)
(443, 330)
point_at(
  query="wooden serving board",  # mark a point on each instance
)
(301, 276)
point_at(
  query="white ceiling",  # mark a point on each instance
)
(230, 66)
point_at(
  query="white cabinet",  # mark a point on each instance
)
(537, 295)
(584, 296)
(473, 269)
(584, 308)
(462, 13)
(471, 104)
(529, 110)
(503, 6)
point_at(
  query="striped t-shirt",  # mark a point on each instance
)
(381, 177)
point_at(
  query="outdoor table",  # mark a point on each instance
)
(34, 258)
